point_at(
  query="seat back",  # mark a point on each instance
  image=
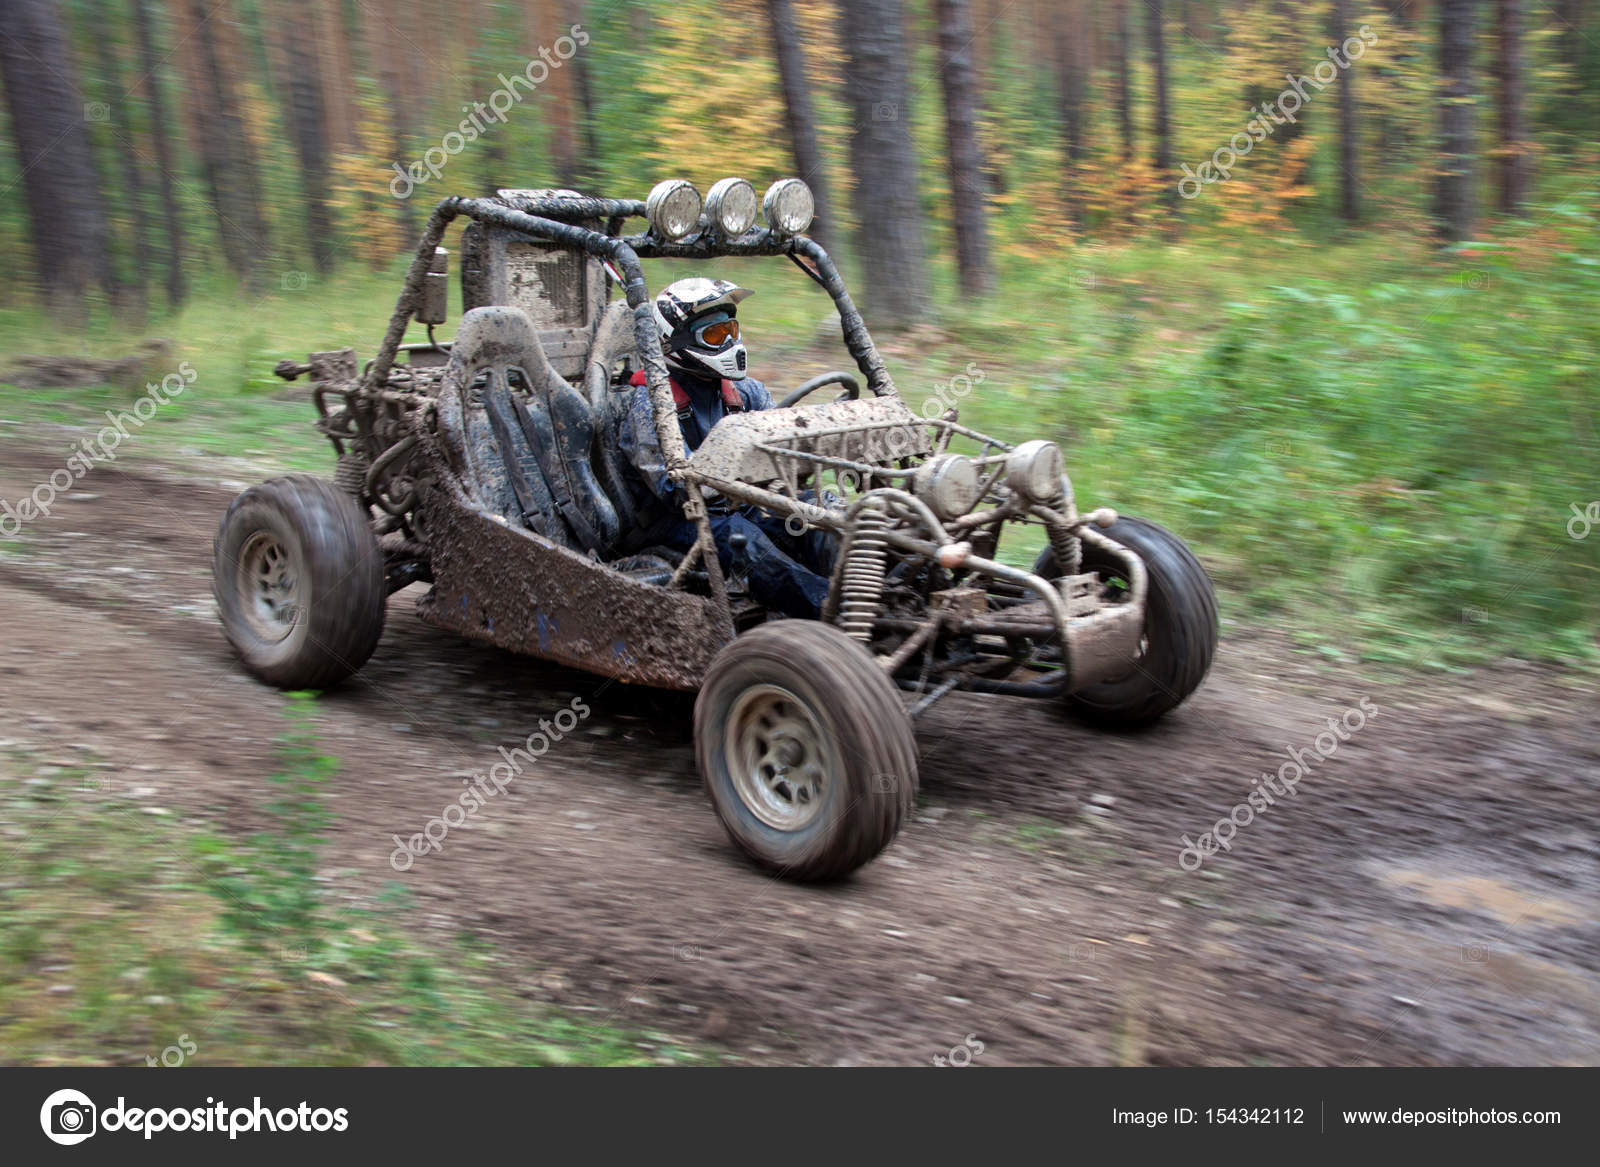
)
(529, 434)
(562, 289)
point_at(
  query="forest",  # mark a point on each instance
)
(1320, 275)
(150, 140)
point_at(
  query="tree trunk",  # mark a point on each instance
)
(305, 115)
(557, 91)
(1515, 150)
(1570, 40)
(336, 71)
(889, 220)
(1454, 202)
(588, 112)
(1349, 146)
(1068, 33)
(1163, 115)
(172, 220)
(387, 55)
(482, 67)
(132, 286)
(48, 115)
(222, 139)
(798, 117)
(960, 81)
(1124, 79)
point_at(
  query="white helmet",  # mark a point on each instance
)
(699, 328)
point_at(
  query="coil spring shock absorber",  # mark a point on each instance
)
(1068, 548)
(866, 564)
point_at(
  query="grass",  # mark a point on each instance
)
(126, 936)
(1036, 834)
(1371, 443)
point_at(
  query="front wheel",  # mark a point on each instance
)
(1180, 625)
(806, 749)
(299, 581)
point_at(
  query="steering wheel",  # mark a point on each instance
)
(852, 387)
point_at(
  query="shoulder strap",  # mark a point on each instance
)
(542, 440)
(680, 397)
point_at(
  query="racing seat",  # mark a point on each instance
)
(530, 435)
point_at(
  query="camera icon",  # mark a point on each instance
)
(96, 111)
(1475, 953)
(886, 111)
(1084, 279)
(68, 1117)
(294, 281)
(1475, 280)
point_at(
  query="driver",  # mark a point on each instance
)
(706, 361)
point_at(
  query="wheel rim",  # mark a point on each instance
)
(778, 757)
(269, 587)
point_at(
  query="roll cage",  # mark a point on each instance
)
(558, 220)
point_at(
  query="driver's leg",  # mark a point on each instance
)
(776, 580)
(813, 547)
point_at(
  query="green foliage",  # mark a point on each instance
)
(266, 886)
(124, 933)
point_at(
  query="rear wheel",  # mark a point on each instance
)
(1180, 627)
(806, 749)
(299, 581)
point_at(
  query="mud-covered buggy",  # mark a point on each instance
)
(487, 467)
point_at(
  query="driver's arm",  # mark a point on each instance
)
(636, 438)
(754, 393)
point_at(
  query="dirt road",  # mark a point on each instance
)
(1429, 895)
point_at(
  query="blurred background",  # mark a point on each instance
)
(1315, 284)
(1315, 280)
(1360, 370)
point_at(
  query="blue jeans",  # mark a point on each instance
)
(785, 572)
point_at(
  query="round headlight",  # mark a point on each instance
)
(673, 208)
(948, 483)
(1033, 470)
(788, 206)
(732, 204)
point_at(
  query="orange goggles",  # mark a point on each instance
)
(718, 334)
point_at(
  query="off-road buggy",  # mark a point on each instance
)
(487, 467)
